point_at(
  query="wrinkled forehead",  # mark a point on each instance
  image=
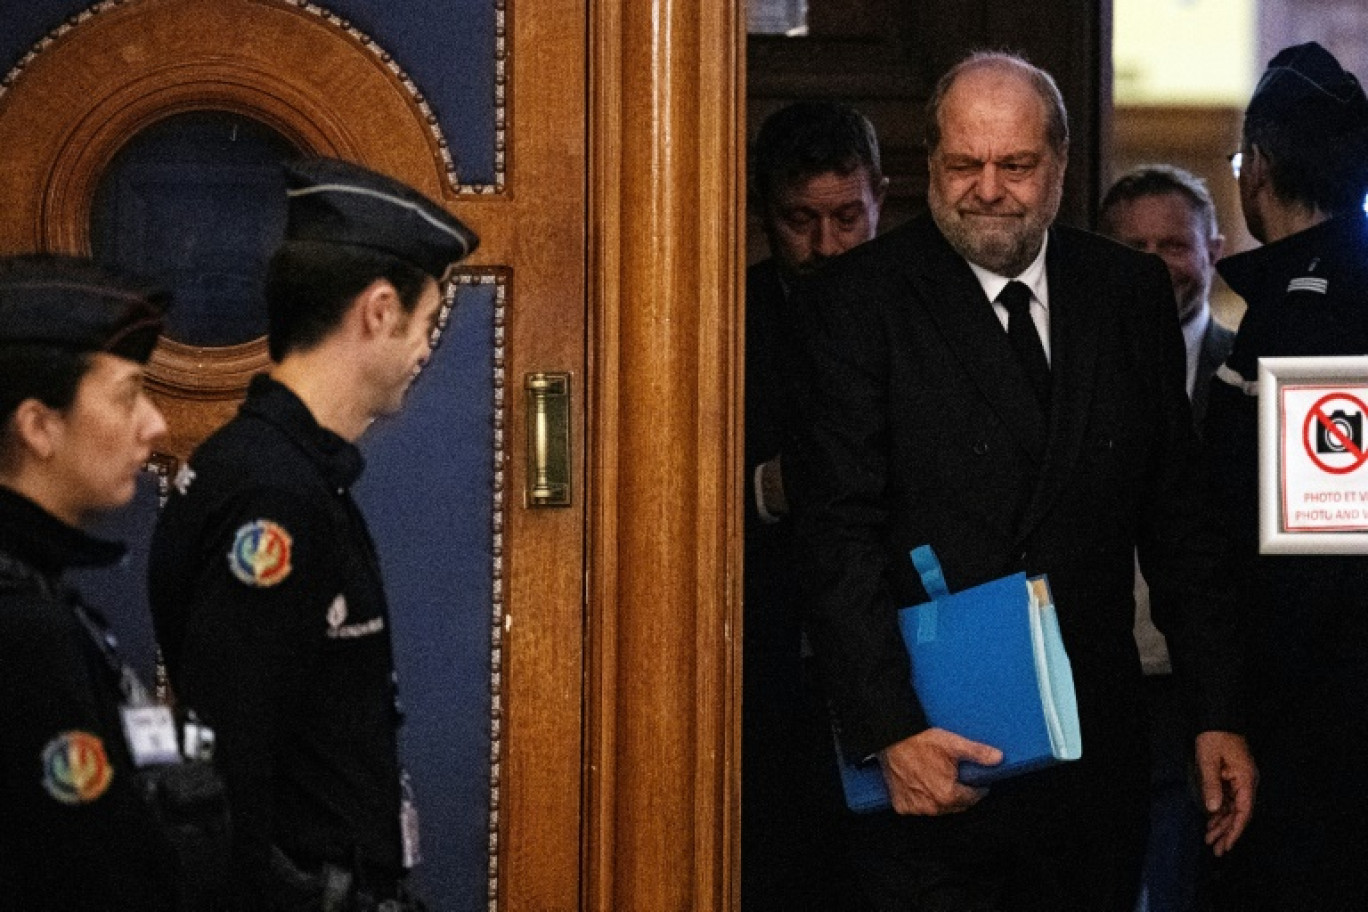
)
(855, 179)
(996, 104)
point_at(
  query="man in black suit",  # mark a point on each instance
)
(817, 186)
(1167, 211)
(1056, 439)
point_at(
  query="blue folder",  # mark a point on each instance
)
(987, 663)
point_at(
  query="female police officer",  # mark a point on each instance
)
(75, 428)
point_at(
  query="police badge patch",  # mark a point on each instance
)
(260, 556)
(76, 769)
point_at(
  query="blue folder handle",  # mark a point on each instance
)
(933, 581)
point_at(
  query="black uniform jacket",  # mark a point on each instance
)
(75, 835)
(267, 597)
(920, 429)
(1307, 295)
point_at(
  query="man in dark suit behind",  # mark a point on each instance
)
(817, 185)
(933, 417)
(1167, 211)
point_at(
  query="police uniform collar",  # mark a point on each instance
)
(34, 536)
(338, 459)
(1264, 270)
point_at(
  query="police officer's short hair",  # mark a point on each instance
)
(310, 286)
(1330, 173)
(809, 138)
(1157, 180)
(43, 372)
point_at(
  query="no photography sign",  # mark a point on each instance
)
(1325, 483)
(1313, 455)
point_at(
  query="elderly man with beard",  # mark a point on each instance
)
(1011, 393)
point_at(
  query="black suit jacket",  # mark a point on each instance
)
(772, 612)
(919, 428)
(1216, 345)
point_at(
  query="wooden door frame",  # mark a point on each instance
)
(666, 232)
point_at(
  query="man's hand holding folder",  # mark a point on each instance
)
(989, 669)
(922, 772)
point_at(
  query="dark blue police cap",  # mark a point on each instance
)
(1305, 86)
(337, 202)
(73, 303)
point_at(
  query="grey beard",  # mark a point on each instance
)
(1006, 255)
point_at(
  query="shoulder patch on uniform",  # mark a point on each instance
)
(1312, 284)
(76, 768)
(260, 556)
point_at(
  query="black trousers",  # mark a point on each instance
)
(1306, 849)
(1067, 839)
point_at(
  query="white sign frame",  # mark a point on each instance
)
(1274, 375)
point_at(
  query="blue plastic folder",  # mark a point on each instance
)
(988, 663)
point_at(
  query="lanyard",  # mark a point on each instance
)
(133, 691)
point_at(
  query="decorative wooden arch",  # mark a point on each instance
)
(123, 65)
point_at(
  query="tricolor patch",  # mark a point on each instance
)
(260, 556)
(76, 769)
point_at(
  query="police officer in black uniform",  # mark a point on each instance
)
(1303, 174)
(265, 585)
(75, 428)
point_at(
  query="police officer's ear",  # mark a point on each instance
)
(1254, 170)
(378, 309)
(35, 432)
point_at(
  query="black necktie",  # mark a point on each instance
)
(1021, 332)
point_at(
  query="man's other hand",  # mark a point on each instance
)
(1229, 781)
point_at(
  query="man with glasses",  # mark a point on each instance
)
(1303, 174)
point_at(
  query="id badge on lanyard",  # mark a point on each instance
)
(151, 734)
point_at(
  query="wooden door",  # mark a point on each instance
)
(482, 110)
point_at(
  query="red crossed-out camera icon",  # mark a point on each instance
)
(1333, 434)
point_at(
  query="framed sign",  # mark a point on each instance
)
(1313, 455)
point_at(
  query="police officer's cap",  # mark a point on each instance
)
(1304, 85)
(337, 202)
(73, 303)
